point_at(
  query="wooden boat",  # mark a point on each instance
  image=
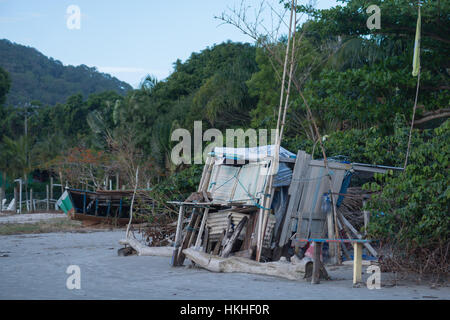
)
(103, 206)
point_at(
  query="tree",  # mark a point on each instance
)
(5, 84)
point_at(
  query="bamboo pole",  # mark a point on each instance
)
(267, 199)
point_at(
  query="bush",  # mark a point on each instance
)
(411, 212)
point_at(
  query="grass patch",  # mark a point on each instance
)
(46, 226)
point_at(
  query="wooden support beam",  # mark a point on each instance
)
(357, 262)
(202, 228)
(316, 263)
(177, 237)
(190, 233)
(357, 234)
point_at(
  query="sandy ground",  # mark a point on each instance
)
(30, 218)
(34, 267)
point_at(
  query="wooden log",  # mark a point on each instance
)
(357, 262)
(316, 263)
(288, 270)
(143, 250)
(229, 246)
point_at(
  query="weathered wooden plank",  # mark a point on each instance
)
(229, 246)
(311, 218)
(295, 192)
(219, 244)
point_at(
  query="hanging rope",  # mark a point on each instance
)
(412, 121)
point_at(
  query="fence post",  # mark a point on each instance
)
(1, 199)
(48, 200)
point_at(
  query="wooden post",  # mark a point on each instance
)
(357, 262)
(316, 263)
(48, 199)
(178, 236)
(117, 182)
(1, 199)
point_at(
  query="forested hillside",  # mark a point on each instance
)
(36, 77)
(357, 82)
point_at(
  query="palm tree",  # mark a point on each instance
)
(15, 161)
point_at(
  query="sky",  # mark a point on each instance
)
(127, 39)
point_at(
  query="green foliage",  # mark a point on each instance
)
(357, 82)
(5, 84)
(36, 77)
(412, 209)
(181, 184)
